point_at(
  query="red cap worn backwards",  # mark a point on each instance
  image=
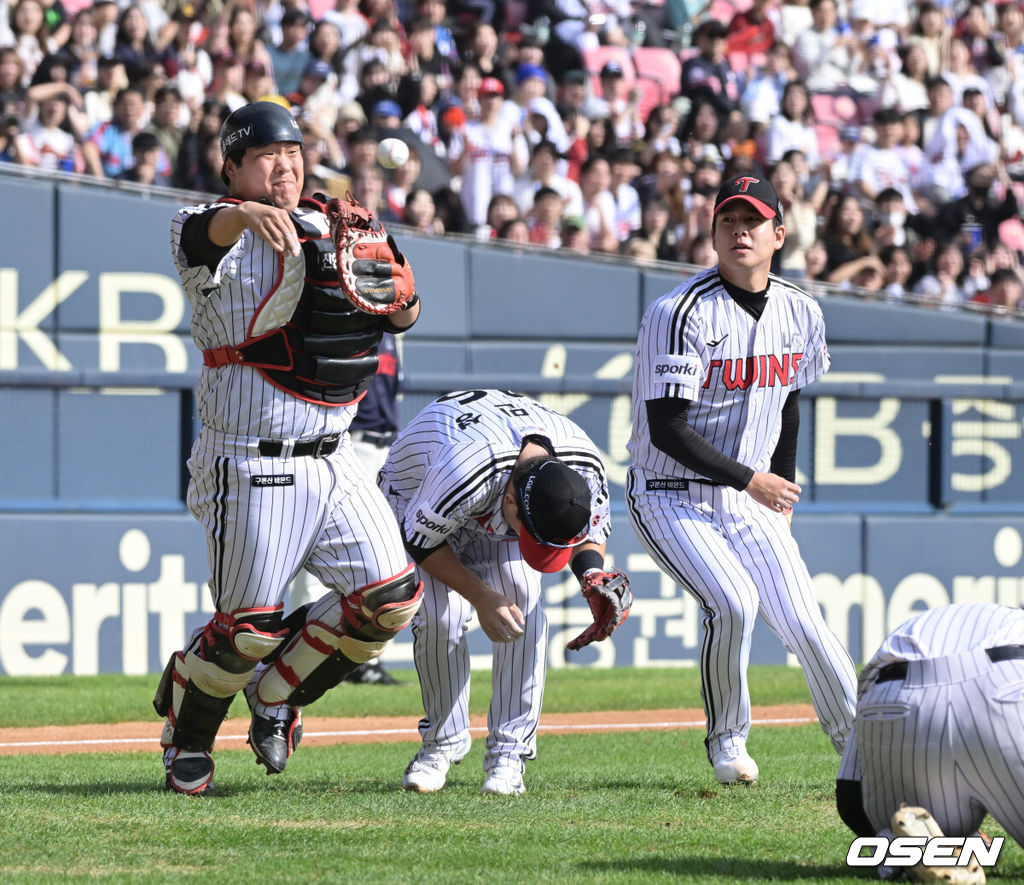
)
(751, 189)
(554, 506)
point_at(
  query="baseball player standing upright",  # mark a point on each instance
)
(940, 714)
(490, 488)
(719, 365)
(289, 348)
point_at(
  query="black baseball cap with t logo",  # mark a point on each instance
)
(554, 507)
(751, 189)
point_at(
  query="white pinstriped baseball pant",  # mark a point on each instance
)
(442, 657)
(330, 518)
(949, 737)
(736, 558)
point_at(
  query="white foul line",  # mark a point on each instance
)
(411, 732)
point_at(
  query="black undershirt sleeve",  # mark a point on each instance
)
(672, 434)
(195, 240)
(784, 456)
(418, 554)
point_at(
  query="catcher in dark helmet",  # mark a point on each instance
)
(290, 298)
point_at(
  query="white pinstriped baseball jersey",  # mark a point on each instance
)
(945, 734)
(944, 631)
(734, 556)
(451, 463)
(698, 343)
(445, 477)
(236, 400)
(280, 512)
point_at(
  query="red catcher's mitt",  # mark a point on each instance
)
(610, 600)
(374, 275)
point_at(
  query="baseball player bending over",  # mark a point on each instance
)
(940, 720)
(719, 365)
(290, 298)
(490, 488)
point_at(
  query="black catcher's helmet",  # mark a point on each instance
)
(257, 124)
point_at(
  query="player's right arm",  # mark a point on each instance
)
(275, 225)
(672, 434)
(452, 490)
(500, 618)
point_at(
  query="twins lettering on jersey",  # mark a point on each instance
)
(765, 370)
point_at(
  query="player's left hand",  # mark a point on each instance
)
(610, 599)
(775, 492)
(374, 275)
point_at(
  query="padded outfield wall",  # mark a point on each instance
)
(911, 451)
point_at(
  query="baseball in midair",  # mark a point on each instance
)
(392, 153)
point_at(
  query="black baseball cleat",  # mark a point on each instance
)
(274, 740)
(188, 773)
(371, 673)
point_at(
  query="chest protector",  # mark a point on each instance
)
(327, 351)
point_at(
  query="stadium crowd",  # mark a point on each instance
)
(893, 130)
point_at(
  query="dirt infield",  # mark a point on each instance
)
(317, 731)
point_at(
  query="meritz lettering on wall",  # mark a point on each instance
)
(115, 602)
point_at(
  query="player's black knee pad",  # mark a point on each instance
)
(333, 671)
(339, 634)
(199, 683)
(382, 610)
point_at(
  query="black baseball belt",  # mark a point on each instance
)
(313, 448)
(898, 670)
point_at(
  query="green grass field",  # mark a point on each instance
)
(634, 807)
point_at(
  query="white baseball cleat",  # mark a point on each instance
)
(504, 780)
(733, 765)
(428, 771)
(916, 821)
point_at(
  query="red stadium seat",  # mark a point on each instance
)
(651, 96)
(828, 140)
(1011, 233)
(660, 64)
(724, 10)
(836, 109)
(739, 60)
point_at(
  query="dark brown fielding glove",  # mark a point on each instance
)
(610, 599)
(374, 275)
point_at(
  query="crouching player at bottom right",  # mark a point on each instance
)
(939, 734)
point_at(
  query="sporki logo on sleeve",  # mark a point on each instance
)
(672, 367)
(432, 524)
